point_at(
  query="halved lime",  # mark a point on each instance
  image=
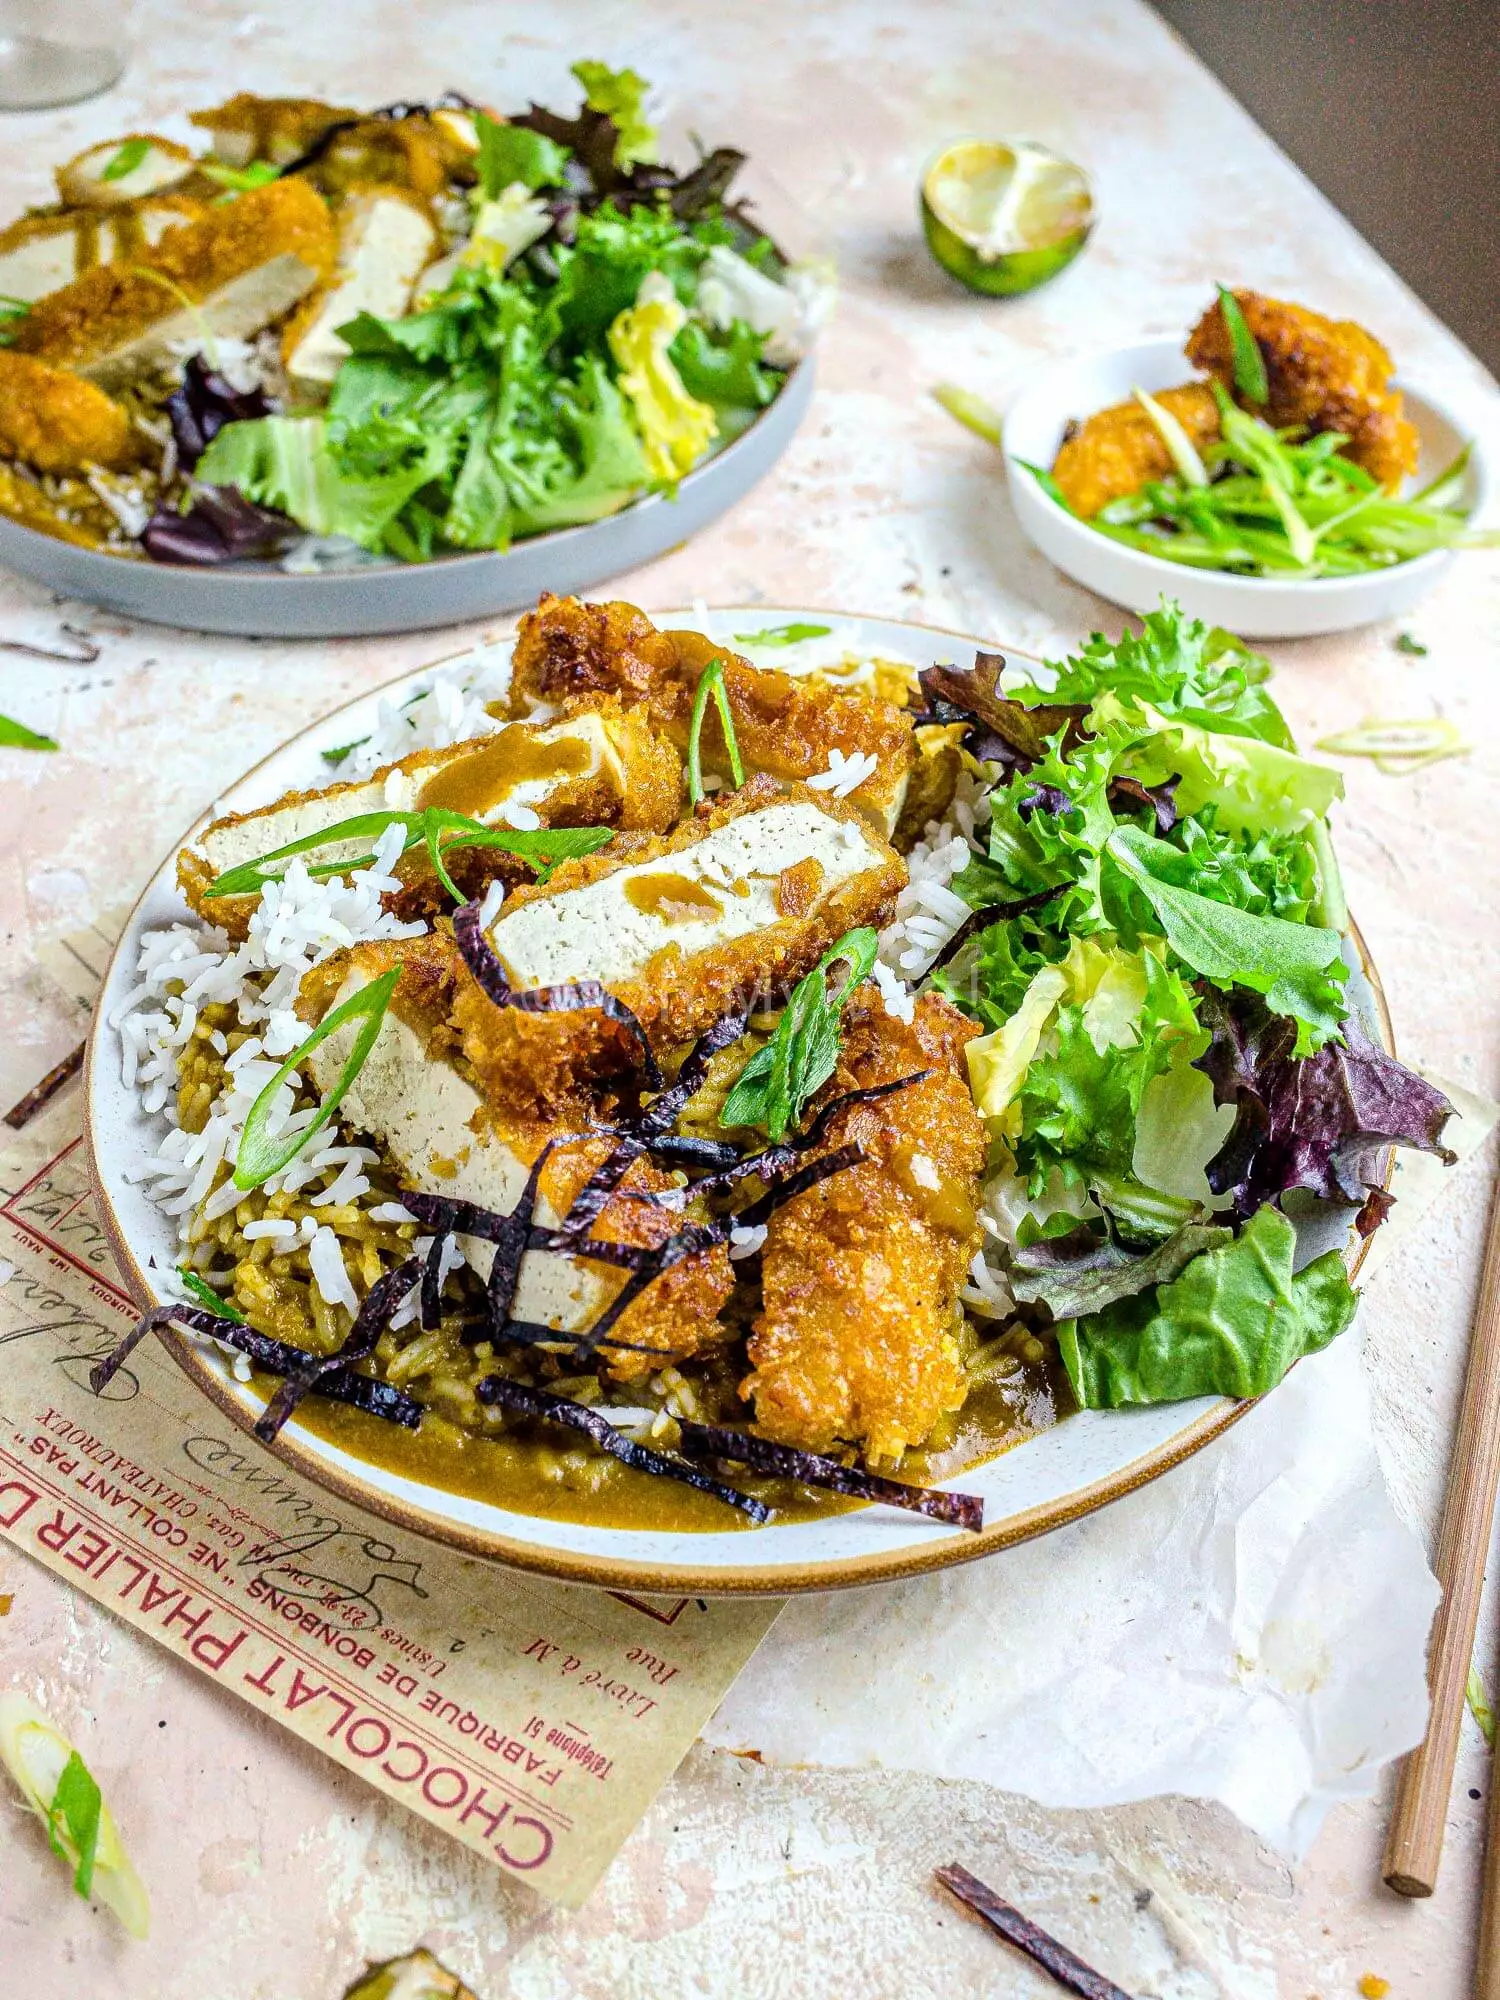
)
(1004, 215)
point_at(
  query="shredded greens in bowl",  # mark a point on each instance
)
(1269, 502)
(1171, 1055)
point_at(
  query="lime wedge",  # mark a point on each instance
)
(1003, 216)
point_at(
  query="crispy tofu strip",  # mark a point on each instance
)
(385, 240)
(42, 253)
(856, 1341)
(784, 725)
(738, 903)
(56, 421)
(416, 1099)
(1330, 375)
(232, 273)
(86, 178)
(1114, 452)
(278, 129)
(595, 766)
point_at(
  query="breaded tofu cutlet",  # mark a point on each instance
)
(1330, 375)
(1116, 451)
(856, 1342)
(783, 725)
(58, 422)
(731, 908)
(277, 129)
(418, 1098)
(595, 765)
(232, 273)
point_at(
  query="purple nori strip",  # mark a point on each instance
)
(577, 996)
(960, 1510)
(594, 1196)
(722, 1035)
(510, 1248)
(579, 1417)
(1040, 1947)
(981, 919)
(688, 1242)
(362, 1392)
(432, 1284)
(372, 1319)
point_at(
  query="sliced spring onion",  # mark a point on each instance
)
(1397, 747)
(16, 736)
(1405, 643)
(803, 1053)
(240, 180)
(207, 1296)
(972, 411)
(57, 1785)
(436, 828)
(1479, 1705)
(711, 682)
(259, 1154)
(1249, 362)
(126, 160)
(1180, 447)
(1047, 483)
(782, 635)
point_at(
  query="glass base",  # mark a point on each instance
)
(36, 73)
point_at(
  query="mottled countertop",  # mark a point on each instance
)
(284, 1873)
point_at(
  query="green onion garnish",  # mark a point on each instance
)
(16, 736)
(126, 160)
(782, 635)
(207, 1296)
(1405, 643)
(1047, 483)
(1180, 447)
(972, 411)
(1249, 362)
(259, 1154)
(436, 828)
(241, 180)
(75, 1809)
(803, 1053)
(711, 683)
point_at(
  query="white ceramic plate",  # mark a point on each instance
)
(1081, 1464)
(1251, 606)
(262, 601)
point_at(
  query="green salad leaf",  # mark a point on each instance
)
(621, 95)
(1298, 967)
(1080, 1274)
(511, 153)
(779, 1079)
(1231, 1324)
(782, 635)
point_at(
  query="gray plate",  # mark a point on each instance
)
(263, 602)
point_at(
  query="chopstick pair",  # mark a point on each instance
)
(1414, 1846)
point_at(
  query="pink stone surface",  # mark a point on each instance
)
(274, 1875)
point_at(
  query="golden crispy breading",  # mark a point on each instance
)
(536, 1061)
(856, 1342)
(1114, 452)
(1327, 374)
(785, 725)
(278, 129)
(566, 647)
(85, 525)
(57, 422)
(101, 322)
(642, 792)
(677, 1315)
(430, 971)
(409, 153)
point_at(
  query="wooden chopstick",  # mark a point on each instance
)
(1414, 1845)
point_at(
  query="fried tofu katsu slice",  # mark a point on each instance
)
(856, 1342)
(54, 420)
(418, 1099)
(232, 272)
(152, 165)
(1329, 375)
(682, 929)
(1116, 451)
(386, 238)
(41, 253)
(278, 129)
(785, 725)
(595, 765)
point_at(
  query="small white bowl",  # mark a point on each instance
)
(1252, 607)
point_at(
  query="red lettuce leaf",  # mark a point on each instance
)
(1318, 1122)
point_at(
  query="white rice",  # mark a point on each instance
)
(846, 772)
